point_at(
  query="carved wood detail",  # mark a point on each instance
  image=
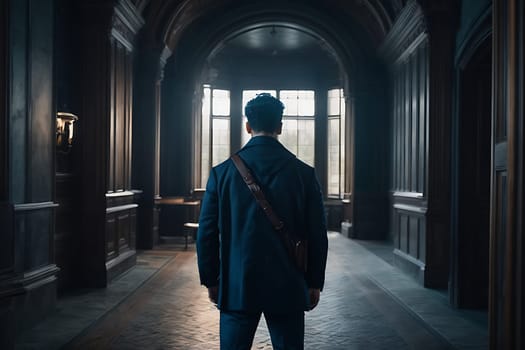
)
(126, 23)
(408, 26)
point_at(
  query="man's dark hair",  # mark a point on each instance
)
(264, 113)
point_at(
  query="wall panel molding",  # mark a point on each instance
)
(419, 58)
(27, 159)
(34, 206)
(410, 119)
(410, 208)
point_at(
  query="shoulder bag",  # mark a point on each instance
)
(297, 249)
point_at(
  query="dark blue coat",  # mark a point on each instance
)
(237, 247)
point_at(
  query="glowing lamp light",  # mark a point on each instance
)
(64, 130)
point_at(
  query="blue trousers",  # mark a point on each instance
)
(237, 330)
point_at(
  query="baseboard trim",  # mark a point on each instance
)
(120, 264)
(410, 265)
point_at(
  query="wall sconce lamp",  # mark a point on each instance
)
(64, 130)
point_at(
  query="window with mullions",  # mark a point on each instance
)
(336, 143)
(215, 132)
(299, 123)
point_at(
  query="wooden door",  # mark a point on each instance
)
(506, 303)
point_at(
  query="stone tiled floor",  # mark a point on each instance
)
(367, 304)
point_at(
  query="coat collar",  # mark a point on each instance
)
(263, 140)
(267, 142)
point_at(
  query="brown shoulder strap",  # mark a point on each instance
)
(257, 193)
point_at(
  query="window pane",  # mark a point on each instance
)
(333, 102)
(288, 136)
(290, 100)
(298, 137)
(306, 140)
(245, 137)
(221, 102)
(343, 143)
(205, 136)
(220, 140)
(336, 142)
(334, 159)
(343, 104)
(298, 102)
(306, 103)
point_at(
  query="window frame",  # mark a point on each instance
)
(208, 148)
(321, 143)
(341, 117)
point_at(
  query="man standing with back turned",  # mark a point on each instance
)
(242, 259)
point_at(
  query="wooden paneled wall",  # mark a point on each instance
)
(409, 166)
(410, 119)
(120, 115)
(419, 50)
(120, 204)
(27, 141)
(6, 210)
(407, 51)
(108, 214)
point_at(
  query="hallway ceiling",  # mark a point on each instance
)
(273, 39)
(276, 41)
(169, 18)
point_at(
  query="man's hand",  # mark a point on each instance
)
(213, 293)
(314, 294)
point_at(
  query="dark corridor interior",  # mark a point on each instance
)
(113, 113)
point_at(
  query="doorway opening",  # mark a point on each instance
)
(471, 274)
(303, 72)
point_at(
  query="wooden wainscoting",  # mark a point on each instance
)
(121, 219)
(409, 233)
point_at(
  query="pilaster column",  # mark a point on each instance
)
(146, 118)
(27, 157)
(441, 20)
(108, 214)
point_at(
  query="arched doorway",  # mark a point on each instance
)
(183, 81)
(300, 69)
